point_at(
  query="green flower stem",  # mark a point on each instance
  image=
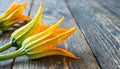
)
(1, 32)
(12, 55)
(5, 47)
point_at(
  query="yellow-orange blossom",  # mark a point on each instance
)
(37, 40)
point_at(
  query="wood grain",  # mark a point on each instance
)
(112, 5)
(53, 11)
(110, 17)
(104, 46)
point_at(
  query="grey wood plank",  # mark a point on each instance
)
(4, 38)
(53, 11)
(104, 46)
(110, 20)
(112, 5)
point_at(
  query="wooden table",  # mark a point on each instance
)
(96, 42)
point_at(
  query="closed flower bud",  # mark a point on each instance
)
(31, 28)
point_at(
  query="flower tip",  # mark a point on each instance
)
(59, 22)
(72, 56)
(75, 57)
(14, 2)
(29, 18)
(74, 29)
(41, 5)
(25, 4)
(66, 53)
(63, 18)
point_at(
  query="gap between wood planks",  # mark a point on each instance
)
(83, 34)
(95, 28)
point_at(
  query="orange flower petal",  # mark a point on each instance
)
(31, 26)
(47, 32)
(39, 45)
(54, 51)
(12, 8)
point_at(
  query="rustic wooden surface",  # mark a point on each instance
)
(96, 42)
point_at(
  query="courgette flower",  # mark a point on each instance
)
(43, 44)
(12, 15)
(36, 40)
(31, 28)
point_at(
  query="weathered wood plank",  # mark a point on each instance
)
(4, 38)
(104, 45)
(109, 19)
(53, 11)
(112, 5)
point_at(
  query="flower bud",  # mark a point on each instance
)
(31, 28)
